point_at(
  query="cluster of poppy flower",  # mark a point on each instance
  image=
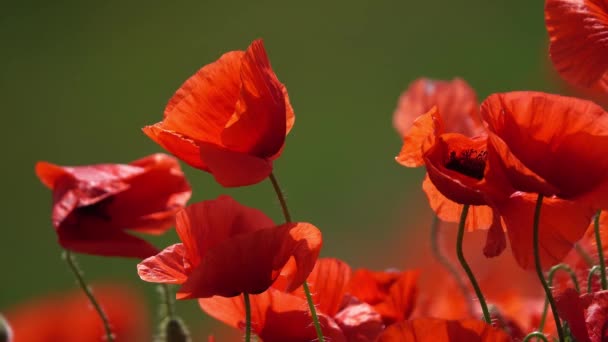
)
(531, 164)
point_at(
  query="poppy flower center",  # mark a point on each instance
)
(470, 162)
(99, 210)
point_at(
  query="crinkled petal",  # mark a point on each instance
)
(419, 138)
(359, 322)
(168, 267)
(180, 146)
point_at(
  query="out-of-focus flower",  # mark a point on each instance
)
(94, 205)
(228, 249)
(578, 31)
(69, 317)
(587, 315)
(229, 119)
(433, 329)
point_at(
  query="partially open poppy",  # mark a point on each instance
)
(434, 329)
(587, 314)
(69, 317)
(578, 30)
(94, 205)
(229, 119)
(228, 249)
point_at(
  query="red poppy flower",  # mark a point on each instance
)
(391, 293)
(69, 317)
(433, 329)
(228, 249)
(578, 30)
(94, 205)
(280, 316)
(229, 119)
(587, 315)
(556, 146)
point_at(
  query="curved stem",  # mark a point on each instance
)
(536, 334)
(600, 251)
(467, 269)
(311, 304)
(447, 263)
(552, 271)
(539, 268)
(69, 258)
(247, 317)
(595, 269)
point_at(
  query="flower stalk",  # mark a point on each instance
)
(600, 251)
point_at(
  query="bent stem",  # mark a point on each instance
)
(539, 269)
(595, 269)
(537, 334)
(447, 263)
(467, 269)
(247, 317)
(600, 251)
(552, 271)
(311, 304)
(69, 258)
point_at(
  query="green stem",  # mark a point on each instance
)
(595, 269)
(247, 317)
(447, 263)
(169, 307)
(467, 269)
(539, 268)
(552, 271)
(600, 251)
(536, 334)
(69, 258)
(311, 304)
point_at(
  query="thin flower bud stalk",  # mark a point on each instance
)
(6, 334)
(69, 258)
(247, 317)
(594, 270)
(550, 276)
(174, 330)
(287, 215)
(467, 269)
(539, 269)
(600, 251)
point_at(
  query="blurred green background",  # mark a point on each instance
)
(80, 79)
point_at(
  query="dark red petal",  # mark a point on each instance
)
(258, 125)
(496, 241)
(233, 169)
(92, 236)
(596, 315)
(419, 139)
(170, 266)
(434, 329)
(455, 100)
(359, 322)
(251, 262)
(562, 223)
(571, 309)
(204, 225)
(578, 30)
(202, 106)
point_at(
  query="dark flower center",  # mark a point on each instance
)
(99, 210)
(469, 162)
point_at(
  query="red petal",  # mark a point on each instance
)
(571, 309)
(433, 329)
(562, 223)
(258, 125)
(232, 169)
(251, 262)
(328, 283)
(202, 106)
(479, 216)
(455, 100)
(578, 31)
(49, 173)
(180, 146)
(420, 138)
(359, 322)
(496, 241)
(596, 315)
(169, 266)
(401, 299)
(204, 225)
(547, 141)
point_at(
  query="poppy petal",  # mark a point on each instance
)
(578, 30)
(180, 146)
(434, 329)
(496, 241)
(202, 106)
(478, 217)
(420, 138)
(401, 298)
(251, 262)
(168, 267)
(359, 322)
(232, 169)
(49, 173)
(562, 223)
(572, 310)
(258, 125)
